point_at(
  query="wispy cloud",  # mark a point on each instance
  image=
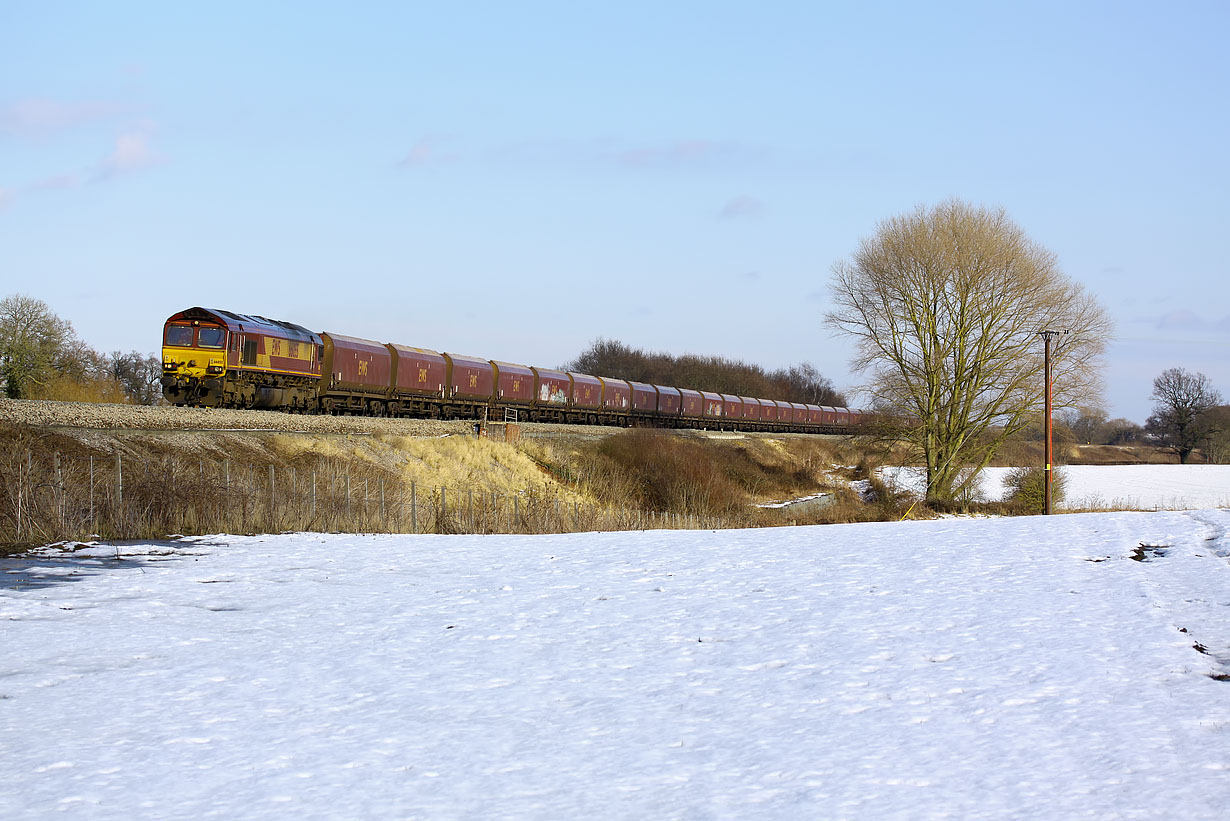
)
(1188, 320)
(626, 155)
(682, 154)
(54, 183)
(744, 206)
(131, 152)
(431, 149)
(670, 154)
(41, 117)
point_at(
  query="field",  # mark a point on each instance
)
(1075, 665)
(1109, 487)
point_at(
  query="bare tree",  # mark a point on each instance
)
(1085, 423)
(945, 305)
(1181, 404)
(137, 373)
(798, 383)
(33, 340)
(1216, 447)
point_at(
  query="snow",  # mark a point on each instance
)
(792, 502)
(1023, 667)
(1119, 487)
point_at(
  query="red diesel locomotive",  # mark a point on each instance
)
(218, 358)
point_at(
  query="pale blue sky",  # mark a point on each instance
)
(514, 180)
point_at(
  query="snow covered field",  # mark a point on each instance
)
(1032, 668)
(1121, 487)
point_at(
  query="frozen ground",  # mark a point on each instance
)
(1120, 487)
(1028, 668)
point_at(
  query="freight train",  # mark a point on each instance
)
(215, 358)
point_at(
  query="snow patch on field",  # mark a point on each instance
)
(1121, 487)
(1028, 668)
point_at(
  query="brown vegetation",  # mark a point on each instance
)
(75, 483)
(42, 358)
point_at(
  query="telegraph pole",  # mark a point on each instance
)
(1047, 336)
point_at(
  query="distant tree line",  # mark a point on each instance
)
(42, 358)
(798, 383)
(1188, 415)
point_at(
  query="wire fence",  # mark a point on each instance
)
(48, 497)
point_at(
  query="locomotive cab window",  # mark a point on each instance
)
(211, 337)
(249, 352)
(179, 336)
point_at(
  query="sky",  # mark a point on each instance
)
(517, 180)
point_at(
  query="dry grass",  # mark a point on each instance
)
(61, 483)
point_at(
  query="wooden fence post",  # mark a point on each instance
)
(59, 489)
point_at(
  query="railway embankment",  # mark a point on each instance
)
(73, 470)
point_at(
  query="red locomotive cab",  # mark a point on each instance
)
(219, 358)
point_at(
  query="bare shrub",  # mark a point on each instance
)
(1027, 489)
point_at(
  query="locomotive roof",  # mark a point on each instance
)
(249, 322)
